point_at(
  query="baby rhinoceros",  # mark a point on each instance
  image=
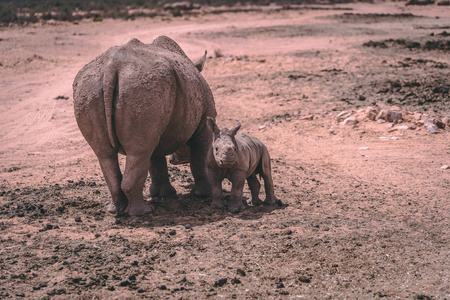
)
(238, 157)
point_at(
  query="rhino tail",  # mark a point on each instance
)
(109, 85)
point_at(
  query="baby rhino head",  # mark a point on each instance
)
(224, 145)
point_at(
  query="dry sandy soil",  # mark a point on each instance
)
(365, 211)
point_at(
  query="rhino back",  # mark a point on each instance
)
(250, 151)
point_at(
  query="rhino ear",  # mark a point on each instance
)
(200, 63)
(235, 129)
(213, 127)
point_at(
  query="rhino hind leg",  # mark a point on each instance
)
(113, 176)
(255, 186)
(266, 174)
(160, 186)
(133, 182)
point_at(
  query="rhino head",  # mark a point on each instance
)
(224, 148)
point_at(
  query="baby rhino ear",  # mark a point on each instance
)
(212, 126)
(235, 129)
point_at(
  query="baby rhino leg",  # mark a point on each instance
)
(237, 187)
(255, 186)
(266, 174)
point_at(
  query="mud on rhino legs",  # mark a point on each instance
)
(160, 186)
(133, 182)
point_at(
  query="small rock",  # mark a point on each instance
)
(220, 282)
(235, 281)
(350, 121)
(445, 167)
(309, 118)
(371, 113)
(446, 121)
(304, 279)
(381, 121)
(172, 232)
(361, 98)
(240, 272)
(141, 290)
(111, 288)
(364, 148)
(401, 127)
(436, 122)
(431, 128)
(280, 285)
(343, 115)
(125, 283)
(332, 130)
(188, 226)
(417, 116)
(78, 219)
(163, 287)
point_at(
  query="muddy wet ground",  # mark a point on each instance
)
(365, 210)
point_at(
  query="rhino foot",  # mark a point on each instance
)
(217, 204)
(202, 190)
(236, 209)
(139, 209)
(162, 190)
(112, 208)
(256, 202)
(270, 201)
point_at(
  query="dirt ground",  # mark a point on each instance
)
(365, 211)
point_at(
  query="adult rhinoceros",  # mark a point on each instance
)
(144, 101)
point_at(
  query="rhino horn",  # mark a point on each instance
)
(200, 63)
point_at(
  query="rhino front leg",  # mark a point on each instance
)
(133, 182)
(255, 186)
(237, 187)
(113, 176)
(160, 186)
(216, 183)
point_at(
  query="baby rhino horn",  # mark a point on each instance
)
(235, 129)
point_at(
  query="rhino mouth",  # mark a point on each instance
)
(227, 161)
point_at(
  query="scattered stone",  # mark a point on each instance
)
(445, 167)
(361, 98)
(163, 287)
(172, 232)
(78, 219)
(389, 116)
(125, 283)
(236, 281)
(436, 122)
(140, 290)
(310, 117)
(262, 127)
(381, 121)
(371, 113)
(364, 148)
(431, 128)
(61, 98)
(304, 279)
(332, 130)
(240, 272)
(280, 285)
(188, 226)
(220, 282)
(402, 127)
(343, 115)
(350, 121)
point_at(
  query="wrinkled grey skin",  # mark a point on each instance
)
(238, 157)
(144, 101)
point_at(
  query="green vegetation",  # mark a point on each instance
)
(31, 11)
